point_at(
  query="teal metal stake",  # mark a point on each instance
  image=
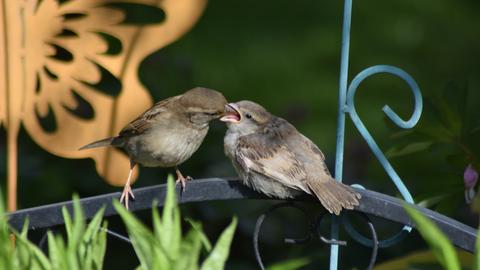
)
(347, 19)
(346, 105)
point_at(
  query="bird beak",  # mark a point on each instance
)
(232, 113)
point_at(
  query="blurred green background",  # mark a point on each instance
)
(285, 55)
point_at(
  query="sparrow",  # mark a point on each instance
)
(271, 156)
(168, 133)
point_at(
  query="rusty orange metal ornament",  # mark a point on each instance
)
(68, 72)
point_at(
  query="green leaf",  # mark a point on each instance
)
(437, 133)
(457, 160)
(408, 149)
(413, 260)
(198, 227)
(291, 264)
(100, 247)
(142, 239)
(476, 263)
(448, 115)
(22, 252)
(6, 247)
(76, 227)
(168, 230)
(456, 97)
(474, 130)
(433, 200)
(27, 254)
(56, 252)
(164, 248)
(68, 223)
(439, 243)
(476, 203)
(85, 248)
(38, 257)
(93, 227)
(92, 250)
(189, 251)
(217, 258)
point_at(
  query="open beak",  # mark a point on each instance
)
(232, 113)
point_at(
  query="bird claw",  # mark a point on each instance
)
(183, 181)
(126, 194)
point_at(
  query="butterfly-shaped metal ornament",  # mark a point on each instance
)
(68, 66)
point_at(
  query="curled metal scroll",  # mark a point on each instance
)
(371, 242)
(350, 109)
(314, 224)
(347, 105)
(375, 242)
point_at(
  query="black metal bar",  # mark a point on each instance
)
(211, 189)
(373, 257)
(313, 229)
(256, 233)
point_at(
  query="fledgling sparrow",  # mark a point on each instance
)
(272, 157)
(168, 133)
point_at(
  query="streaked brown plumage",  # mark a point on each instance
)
(168, 133)
(272, 157)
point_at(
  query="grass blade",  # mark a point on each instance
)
(217, 258)
(441, 246)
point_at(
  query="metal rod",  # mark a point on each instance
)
(256, 233)
(12, 165)
(314, 224)
(373, 257)
(215, 189)
(116, 235)
(344, 59)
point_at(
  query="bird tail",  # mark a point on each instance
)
(100, 143)
(334, 195)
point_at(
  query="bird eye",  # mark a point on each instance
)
(249, 116)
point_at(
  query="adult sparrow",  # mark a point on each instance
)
(272, 157)
(168, 133)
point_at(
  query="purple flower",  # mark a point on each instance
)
(470, 178)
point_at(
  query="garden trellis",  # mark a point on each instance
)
(372, 203)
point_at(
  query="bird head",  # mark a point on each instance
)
(245, 117)
(202, 105)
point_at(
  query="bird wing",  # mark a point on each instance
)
(315, 155)
(145, 120)
(263, 154)
(333, 195)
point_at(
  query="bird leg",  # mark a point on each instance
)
(127, 190)
(181, 179)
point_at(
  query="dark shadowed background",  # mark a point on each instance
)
(285, 55)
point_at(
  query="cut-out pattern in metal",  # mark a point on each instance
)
(312, 234)
(66, 67)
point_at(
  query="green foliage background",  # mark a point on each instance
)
(285, 55)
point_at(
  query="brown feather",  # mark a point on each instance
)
(334, 195)
(266, 147)
(259, 154)
(143, 122)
